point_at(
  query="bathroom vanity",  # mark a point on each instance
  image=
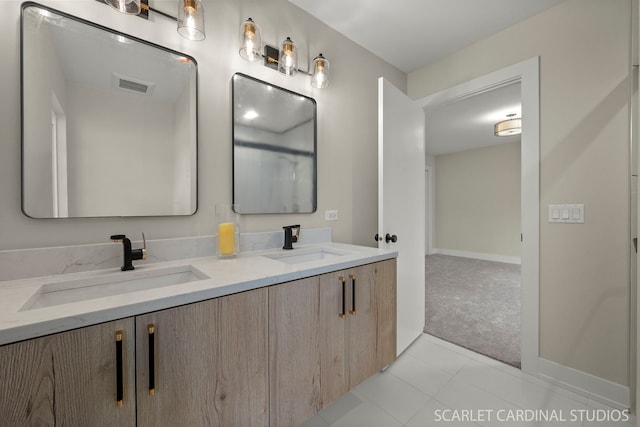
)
(264, 339)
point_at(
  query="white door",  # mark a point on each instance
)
(401, 203)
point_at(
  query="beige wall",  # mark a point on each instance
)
(347, 117)
(584, 106)
(477, 200)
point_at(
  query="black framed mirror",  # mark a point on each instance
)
(109, 121)
(274, 148)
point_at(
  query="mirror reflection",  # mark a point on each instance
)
(274, 148)
(108, 122)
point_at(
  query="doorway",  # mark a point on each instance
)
(473, 276)
(526, 74)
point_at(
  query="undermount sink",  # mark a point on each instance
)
(298, 256)
(68, 291)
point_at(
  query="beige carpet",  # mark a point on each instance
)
(475, 304)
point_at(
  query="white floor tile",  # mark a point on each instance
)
(367, 415)
(315, 421)
(422, 375)
(524, 394)
(340, 407)
(399, 399)
(463, 395)
(434, 376)
(435, 413)
(435, 355)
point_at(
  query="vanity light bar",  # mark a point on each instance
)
(284, 60)
(190, 17)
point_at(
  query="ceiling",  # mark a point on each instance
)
(468, 123)
(410, 34)
(92, 57)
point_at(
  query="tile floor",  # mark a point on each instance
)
(437, 383)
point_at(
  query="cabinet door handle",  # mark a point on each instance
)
(119, 370)
(353, 294)
(151, 329)
(344, 284)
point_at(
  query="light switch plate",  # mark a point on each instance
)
(567, 213)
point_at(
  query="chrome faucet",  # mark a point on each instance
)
(130, 254)
(289, 238)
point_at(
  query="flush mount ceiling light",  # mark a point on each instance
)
(285, 59)
(511, 126)
(190, 15)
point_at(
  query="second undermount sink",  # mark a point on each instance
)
(298, 256)
(68, 291)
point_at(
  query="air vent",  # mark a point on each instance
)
(131, 84)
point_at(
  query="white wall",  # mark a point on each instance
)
(584, 107)
(39, 106)
(103, 169)
(477, 200)
(347, 117)
(184, 181)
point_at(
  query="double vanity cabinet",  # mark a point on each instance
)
(270, 356)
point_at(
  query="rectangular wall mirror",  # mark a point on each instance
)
(274, 148)
(109, 122)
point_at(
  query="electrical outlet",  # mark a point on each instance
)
(331, 215)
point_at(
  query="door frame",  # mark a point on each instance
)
(428, 244)
(527, 73)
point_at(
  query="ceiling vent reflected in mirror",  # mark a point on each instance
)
(131, 84)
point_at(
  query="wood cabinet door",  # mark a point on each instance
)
(334, 317)
(69, 379)
(294, 351)
(385, 290)
(362, 324)
(209, 363)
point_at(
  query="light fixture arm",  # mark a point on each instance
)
(159, 12)
(270, 58)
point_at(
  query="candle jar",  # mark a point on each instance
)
(228, 231)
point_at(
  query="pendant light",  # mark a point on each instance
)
(130, 7)
(320, 76)
(288, 58)
(509, 127)
(250, 41)
(191, 19)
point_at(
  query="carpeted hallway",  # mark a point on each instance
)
(475, 304)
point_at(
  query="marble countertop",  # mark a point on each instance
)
(21, 319)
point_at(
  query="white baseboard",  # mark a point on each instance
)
(479, 255)
(595, 388)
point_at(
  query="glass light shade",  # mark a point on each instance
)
(509, 127)
(191, 19)
(250, 41)
(130, 7)
(288, 58)
(320, 77)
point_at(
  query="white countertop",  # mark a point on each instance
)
(250, 270)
